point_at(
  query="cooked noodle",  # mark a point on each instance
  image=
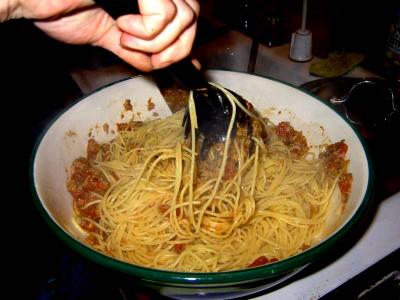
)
(156, 212)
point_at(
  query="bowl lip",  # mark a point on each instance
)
(281, 267)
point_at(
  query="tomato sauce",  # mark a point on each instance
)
(293, 139)
(335, 163)
(262, 260)
(84, 183)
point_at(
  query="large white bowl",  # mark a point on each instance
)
(66, 139)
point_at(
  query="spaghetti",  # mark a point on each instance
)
(145, 197)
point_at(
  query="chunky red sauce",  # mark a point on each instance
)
(293, 139)
(128, 105)
(335, 163)
(84, 183)
(345, 183)
(262, 260)
(179, 248)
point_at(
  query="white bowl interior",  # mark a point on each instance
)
(66, 139)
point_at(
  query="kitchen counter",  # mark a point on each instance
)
(229, 51)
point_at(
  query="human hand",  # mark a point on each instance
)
(162, 34)
(166, 29)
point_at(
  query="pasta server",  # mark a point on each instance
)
(213, 105)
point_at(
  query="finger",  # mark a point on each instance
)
(154, 16)
(40, 10)
(177, 51)
(137, 59)
(196, 63)
(194, 4)
(85, 26)
(185, 18)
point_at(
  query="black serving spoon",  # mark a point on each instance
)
(213, 107)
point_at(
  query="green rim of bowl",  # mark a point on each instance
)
(216, 278)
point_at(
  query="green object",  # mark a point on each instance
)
(336, 64)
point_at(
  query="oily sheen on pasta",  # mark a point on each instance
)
(146, 198)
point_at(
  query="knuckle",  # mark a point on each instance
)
(196, 7)
(170, 12)
(188, 15)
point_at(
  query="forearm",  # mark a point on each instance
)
(8, 9)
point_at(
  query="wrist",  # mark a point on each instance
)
(9, 10)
